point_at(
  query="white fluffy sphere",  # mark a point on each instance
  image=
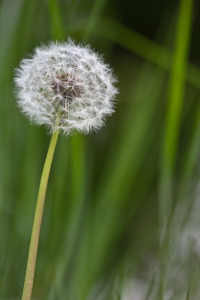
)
(65, 82)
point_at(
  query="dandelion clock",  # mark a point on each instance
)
(66, 88)
(68, 81)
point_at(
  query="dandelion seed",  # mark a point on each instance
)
(68, 80)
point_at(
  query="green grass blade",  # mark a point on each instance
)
(176, 95)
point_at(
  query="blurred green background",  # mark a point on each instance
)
(112, 197)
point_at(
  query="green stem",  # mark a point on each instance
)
(30, 270)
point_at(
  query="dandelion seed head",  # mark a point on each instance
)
(69, 81)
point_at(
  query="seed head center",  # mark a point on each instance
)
(67, 88)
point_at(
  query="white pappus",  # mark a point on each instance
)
(66, 82)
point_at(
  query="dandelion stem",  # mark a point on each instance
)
(30, 270)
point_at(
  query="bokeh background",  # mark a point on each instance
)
(122, 212)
